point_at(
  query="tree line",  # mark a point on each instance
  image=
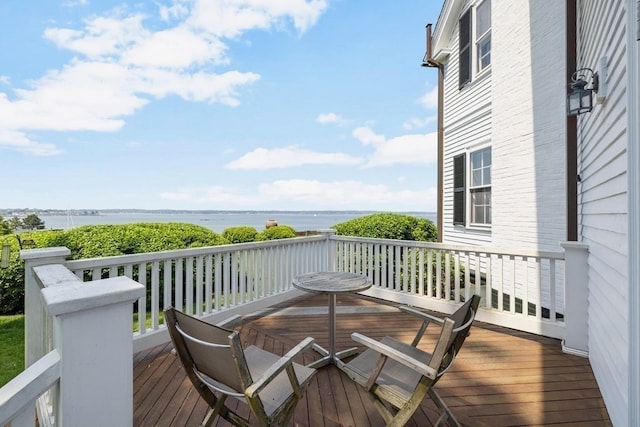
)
(15, 223)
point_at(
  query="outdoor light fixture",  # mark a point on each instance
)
(580, 99)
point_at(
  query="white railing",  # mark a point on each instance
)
(208, 282)
(519, 289)
(85, 344)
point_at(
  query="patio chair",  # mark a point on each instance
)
(219, 367)
(398, 375)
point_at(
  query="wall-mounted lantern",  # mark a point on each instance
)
(580, 99)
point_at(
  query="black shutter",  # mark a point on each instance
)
(459, 164)
(465, 48)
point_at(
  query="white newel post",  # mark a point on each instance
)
(92, 331)
(576, 316)
(331, 249)
(35, 335)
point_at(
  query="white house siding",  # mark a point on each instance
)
(467, 122)
(603, 199)
(517, 107)
(529, 125)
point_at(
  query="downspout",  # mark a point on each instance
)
(428, 61)
(633, 159)
(572, 128)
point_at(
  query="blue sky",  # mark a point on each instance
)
(217, 104)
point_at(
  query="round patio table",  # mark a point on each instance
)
(331, 283)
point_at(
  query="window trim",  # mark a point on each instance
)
(479, 39)
(472, 188)
(462, 189)
(469, 59)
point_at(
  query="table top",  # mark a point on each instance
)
(332, 282)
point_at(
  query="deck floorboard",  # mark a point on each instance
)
(501, 377)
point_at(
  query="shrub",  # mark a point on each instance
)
(94, 241)
(276, 232)
(389, 226)
(240, 234)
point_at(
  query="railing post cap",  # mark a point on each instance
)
(574, 245)
(81, 296)
(327, 231)
(40, 253)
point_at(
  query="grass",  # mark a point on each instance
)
(12, 348)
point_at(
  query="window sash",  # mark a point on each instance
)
(481, 205)
(483, 35)
(484, 52)
(480, 186)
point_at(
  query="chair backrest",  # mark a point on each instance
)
(462, 318)
(211, 350)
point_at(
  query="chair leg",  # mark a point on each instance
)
(213, 412)
(446, 412)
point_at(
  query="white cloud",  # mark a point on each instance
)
(262, 158)
(417, 123)
(303, 194)
(228, 197)
(178, 10)
(122, 63)
(19, 141)
(176, 48)
(430, 99)
(404, 149)
(367, 137)
(230, 19)
(101, 36)
(330, 118)
(349, 194)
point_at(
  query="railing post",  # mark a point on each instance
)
(92, 325)
(35, 336)
(331, 249)
(576, 299)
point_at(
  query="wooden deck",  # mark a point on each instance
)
(501, 377)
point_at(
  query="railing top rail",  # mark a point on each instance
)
(456, 248)
(185, 253)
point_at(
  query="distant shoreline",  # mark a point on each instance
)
(217, 221)
(84, 212)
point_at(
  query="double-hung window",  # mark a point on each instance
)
(472, 189)
(480, 186)
(483, 35)
(475, 30)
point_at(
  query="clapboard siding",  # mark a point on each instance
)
(467, 122)
(516, 106)
(603, 200)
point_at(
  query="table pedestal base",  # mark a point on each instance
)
(328, 359)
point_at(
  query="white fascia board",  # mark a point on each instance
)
(445, 26)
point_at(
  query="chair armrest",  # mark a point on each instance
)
(426, 319)
(424, 316)
(283, 363)
(396, 355)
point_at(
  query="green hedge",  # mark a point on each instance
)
(94, 241)
(240, 234)
(276, 232)
(389, 226)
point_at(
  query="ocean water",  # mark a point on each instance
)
(217, 221)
